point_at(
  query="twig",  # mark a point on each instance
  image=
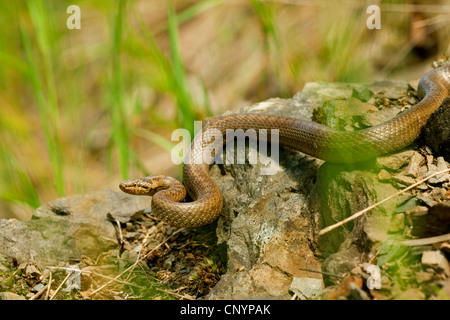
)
(99, 275)
(426, 241)
(60, 286)
(134, 264)
(176, 294)
(322, 272)
(50, 280)
(360, 213)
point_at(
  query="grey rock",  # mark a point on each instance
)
(412, 170)
(428, 201)
(267, 230)
(403, 180)
(11, 296)
(436, 260)
(441, 164)
(67, 228)
(37, 287)
(307, 288)
(395, 161)
(270, 223)
(169, 261)
(384, 175)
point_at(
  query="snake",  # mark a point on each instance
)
(168, 194)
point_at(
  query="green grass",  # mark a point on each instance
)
(119, 123)
(184, 105)
(78, 107)
(44, 90)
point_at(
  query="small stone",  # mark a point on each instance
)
(384, 175)
(428, 201)
(439, 193)
(11, 296)
(37, 287)
(444, 177)
(32, 271)
(395, 161)
(423, 187)
(167, 264)
(412, 170)
(430, 165)
(436, 260)
(441, 164)
(131, 236)
(423, 171)
(306, 288)
(404, 179)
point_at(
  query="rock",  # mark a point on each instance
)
(412, 170)
(67, 227)
(384, 175)
(265, 221)
(37, 287)
(403, 180)
(395, 161)
(167, 264)
(431, 166)
(428, 201)
(441, 164)
(306, 288)
(436, 260)
(343, 261)
(32, 271)
(11, 296)
(270, 222)
(436, 132)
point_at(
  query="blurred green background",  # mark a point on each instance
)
(81, 110)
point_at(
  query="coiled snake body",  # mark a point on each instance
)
(305, 136)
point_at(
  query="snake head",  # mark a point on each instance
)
(144, 186)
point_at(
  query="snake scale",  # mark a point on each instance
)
(306, 136)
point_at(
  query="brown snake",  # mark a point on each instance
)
(305, 136)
